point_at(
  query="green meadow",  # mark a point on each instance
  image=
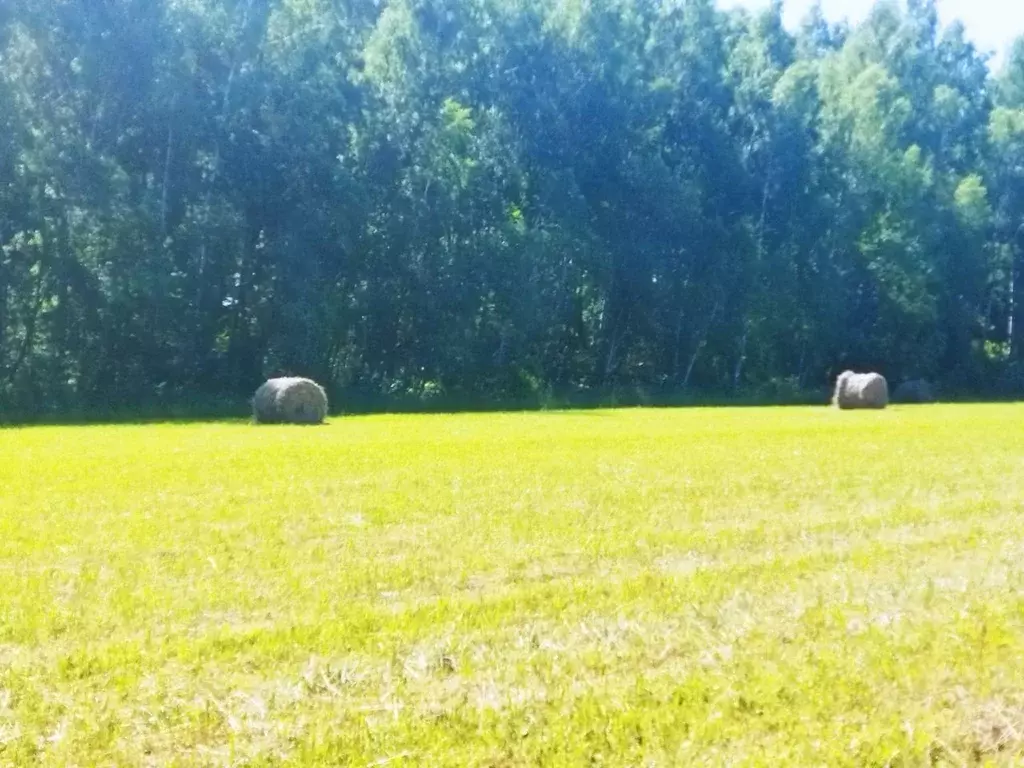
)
(757, 587)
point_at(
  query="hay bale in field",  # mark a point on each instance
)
(914, 391)
(289, 400)
(860, 390)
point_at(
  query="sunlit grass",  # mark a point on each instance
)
(670, 587)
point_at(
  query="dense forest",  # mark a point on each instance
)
(500, 200)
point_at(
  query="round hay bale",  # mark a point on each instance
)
(914, 391)
(860, 390)
(289, 400)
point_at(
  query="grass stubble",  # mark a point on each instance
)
(760, 587)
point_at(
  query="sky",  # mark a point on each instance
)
(991, 24)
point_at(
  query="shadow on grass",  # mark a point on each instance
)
(592, 404)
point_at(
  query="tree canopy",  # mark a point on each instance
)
(500, 199)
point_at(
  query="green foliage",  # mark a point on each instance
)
(971, 200)
(473, 194)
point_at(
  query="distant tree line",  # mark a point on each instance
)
(500, 200)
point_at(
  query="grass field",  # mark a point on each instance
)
(775, 587)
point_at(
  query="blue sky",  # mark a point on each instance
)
(991, 24)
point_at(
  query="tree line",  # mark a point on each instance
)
(500, 200)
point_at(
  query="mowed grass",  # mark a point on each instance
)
(772, 587)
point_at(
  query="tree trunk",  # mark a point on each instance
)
(737, 373)
(240, 346)
(701, 343)
(1015, 324)
(741, 358)
(30, 331)
(167, 177)
(677, 345)
(611, 359)
(3, 296)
